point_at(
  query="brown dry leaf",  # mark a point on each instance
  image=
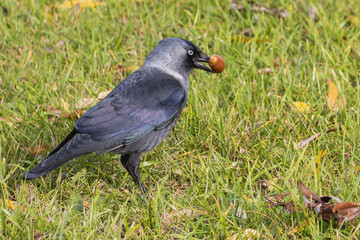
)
(307, 193)
(280, 196)
(324, 211)
(334, 100)
(346, 211)
(301, 107)
(291, 208)
(304, 143)
(12, 205)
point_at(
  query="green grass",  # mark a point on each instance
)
(208, 163)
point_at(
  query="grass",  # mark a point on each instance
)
(209, 166)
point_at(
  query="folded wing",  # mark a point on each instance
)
(127, 115)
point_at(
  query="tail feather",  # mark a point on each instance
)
(74, 145)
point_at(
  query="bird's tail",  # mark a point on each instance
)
(44, 167)
(74, 145)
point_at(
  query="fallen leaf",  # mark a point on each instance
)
(304, 143)
(324, 211)
(346, 211)
(280, 196)
(334, 100)
(307, 193)
(341, 211)
(81, 4)
(301, 107)
(12, 205)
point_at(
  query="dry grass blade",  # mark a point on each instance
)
(304, 143)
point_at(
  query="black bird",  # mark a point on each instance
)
(137, 115)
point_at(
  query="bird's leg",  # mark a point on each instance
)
(131, 163)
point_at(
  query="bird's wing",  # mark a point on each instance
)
(135, 110)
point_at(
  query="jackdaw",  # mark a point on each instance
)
(137, 114)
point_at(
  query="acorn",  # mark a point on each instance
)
(216, 63)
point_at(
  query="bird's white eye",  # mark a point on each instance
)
(190, 52)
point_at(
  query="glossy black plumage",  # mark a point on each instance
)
(137, 115)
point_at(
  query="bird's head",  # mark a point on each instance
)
(178, 55)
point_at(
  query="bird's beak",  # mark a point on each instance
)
(202, 57)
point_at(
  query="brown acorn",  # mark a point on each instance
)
(216, 63)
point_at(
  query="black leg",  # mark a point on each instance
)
(131, 163)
